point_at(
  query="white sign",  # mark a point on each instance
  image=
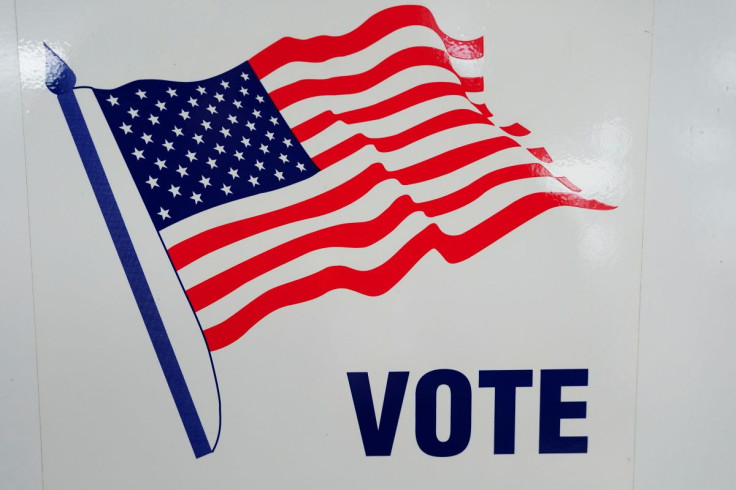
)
(399, 246)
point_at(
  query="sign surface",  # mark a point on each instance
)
(404, 254)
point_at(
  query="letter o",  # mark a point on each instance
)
(426, 413)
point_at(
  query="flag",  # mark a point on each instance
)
(334, 162)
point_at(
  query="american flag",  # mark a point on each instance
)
(326, 163)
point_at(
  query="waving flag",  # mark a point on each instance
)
(319, 164)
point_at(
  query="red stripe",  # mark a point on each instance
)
(385, 108)
(353, 235)
(541, 153)
(442, 122)
(315, 125)
(452, 160)
(287, 95)
(483, 109)
(516, 129)
(322, 48)
(191, 249)
(472, 84)
(374, 282)
(347, 235)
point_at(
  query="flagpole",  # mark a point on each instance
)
(61, 80)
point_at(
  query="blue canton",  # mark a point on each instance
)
(192, 146)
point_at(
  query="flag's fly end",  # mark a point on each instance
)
(59, 77)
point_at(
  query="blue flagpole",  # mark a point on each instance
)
(60, 80)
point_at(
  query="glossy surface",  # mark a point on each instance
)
(20, 442)
(686, 418)
(685, 402)
(561, 292)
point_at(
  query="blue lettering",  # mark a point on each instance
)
(504, 423)
(378, 437)
(426, 412)
(552, 410)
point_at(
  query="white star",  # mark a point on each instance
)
(182, 171)
(141, 94)
(253, 180)
(197, 198)
(239, 155)
(112, 100)
(245, 76)
(174, 191)
(256, 113)
(168, 145)
(250, 125)
(225, 132)
(279, 175)
(171, 92)
(233, 173)
(243, 90)
(287, 142)
(126, 128)
(133, 113)
(300, 166)
(164, 213)
(152, 182)
(138, 154)
(269, 135)
(212, 109)
(177, 131)
(147, 138)
(205, 181)
(259, 165)
(198, 138)
(201, 90)
(161, 164)
(206, 125)
(226, 189)
(192, 101)
(274, 121)
(283, 158)
(245, 141)
(219, 149)
(238, 104)
(225, 84)
(191, 155)
(232, 119)
(259, 98)
(264, 148)
(211, 162)
(153, 119)
(219, 97)
(161, 105)
(184, 114)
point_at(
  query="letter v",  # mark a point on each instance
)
(378, 437)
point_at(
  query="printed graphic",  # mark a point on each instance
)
(259, 186)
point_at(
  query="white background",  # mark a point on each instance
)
(20, 445)
(685, 410)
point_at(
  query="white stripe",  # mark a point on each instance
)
(261, 203)
(387, 126)
(358, 62)
(402, 81)
(364, 259)
(326, 179)
(370, 257)
(469, 68)
(436, 144)
(363, 209)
